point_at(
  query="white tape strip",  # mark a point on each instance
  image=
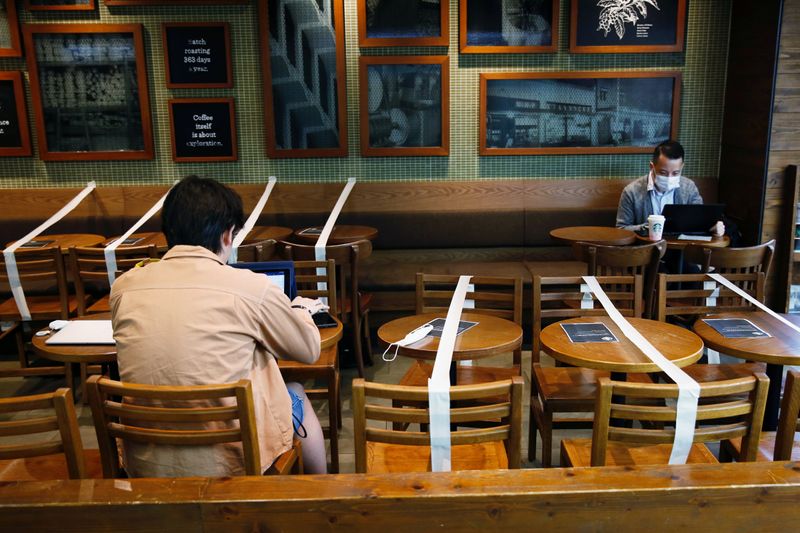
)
(11, 262)
(688, 389)
(587, 302)
(712, 356)
(439, 383)
(468, 304)
(322, 241)
(252, 219)
(110, 251)
(724, 281)
(711, 299)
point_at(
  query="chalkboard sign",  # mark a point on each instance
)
(14, 136)
(203, 129)
(197, 55)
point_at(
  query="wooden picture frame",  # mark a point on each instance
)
(15, 136)
(390, 128)
(538, 113)
(201, 131)
(486, 28)
(636, 28)
(373, 19)
(117, 3)
(60, 5)
(199, 66)
(86, 111)
(12, 47)
(305, 102)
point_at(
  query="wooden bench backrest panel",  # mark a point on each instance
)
(740, 496)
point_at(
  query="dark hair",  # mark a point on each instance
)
(670, 149)
(197, 211)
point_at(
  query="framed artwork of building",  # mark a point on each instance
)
(403, 23)
(89, 91)
(60, 5)
(626, 26)
(508, 27)
(15, 137)
(577, 112)
(197, 55)
(303, 68)
(404, 105)
(10, 44)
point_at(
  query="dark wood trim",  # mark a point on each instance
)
(443, 39)
(168, 74)
(680, 37)
(22, 117)
(484, 151)
(341, 89)
(29, 30)
(115, 3)
(13, 30)
(465, 48)
(90, 6)
(234, 146)
(363, 64)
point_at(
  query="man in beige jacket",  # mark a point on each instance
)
(190, 319)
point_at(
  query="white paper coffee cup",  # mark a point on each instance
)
(655, 226)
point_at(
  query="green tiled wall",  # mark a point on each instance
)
(703, 65)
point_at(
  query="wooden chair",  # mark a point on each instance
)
(257, 251)
(177, 426)
(88, 268)
(353, 305)
(325, 372)
(565, 389)
(381, 449)
(496, 296)
(778, 445)
(732, 260)
(723, 413)
(44, 459)
(625, 261)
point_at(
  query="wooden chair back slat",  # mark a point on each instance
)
(732, 260)
(672, 299)
(19, 451)
(42, 266)
(155, 414)
(173, 437)
(28, 425)
(256, 252)
(308, 275)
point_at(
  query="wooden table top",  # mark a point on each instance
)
(94, 353)
(679, 345)
(783, 348)
(594, 234)
(263, 233)
(673, 242)
(65, 240)
(490, 337)
(341, 234)
(146, 239)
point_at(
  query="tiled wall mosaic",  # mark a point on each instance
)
(703, 65)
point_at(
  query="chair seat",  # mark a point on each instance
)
(578, 452)
(420, 371)
(386, 458)
(41, 307)
(48, 467)
(766, 447)
(102, 305)
(703, 373)
(573, 387)
(327, 358)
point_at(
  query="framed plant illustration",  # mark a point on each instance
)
(89, 91)
(625, 26)
(10, 45)
(404, 105)
(197, 55)
(403, 23)
(60, 5)
(15, 138)
(577, 112)
(509, 27)
(303, 68)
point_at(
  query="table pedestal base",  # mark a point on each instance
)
(775, 375)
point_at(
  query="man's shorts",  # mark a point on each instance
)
(297, 411)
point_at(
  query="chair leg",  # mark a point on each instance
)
(357, 353)
(84, 371)
(546, 431)
(532, 435)
(68, 377)
(23, 357)
(333, 419)
(367, 337)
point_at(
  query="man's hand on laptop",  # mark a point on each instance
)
(717, 229)
(310, 305)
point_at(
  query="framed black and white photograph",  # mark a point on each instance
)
(403, 23)
(203, 129)
(508, 26)
(15, 138)
(303, 69)
(10, 44)
(197, 55)
(60, 5)
(627, 26)
(404, 105)
(577, 112)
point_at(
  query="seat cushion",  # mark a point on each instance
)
(47, 467)
(384, 458)
(578, 452)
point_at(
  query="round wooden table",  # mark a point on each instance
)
(594, 234)
(679, 244)
(782, 348)
(65, 240)
(144, 239)
(263, 233)
(341, 234)
(679, 345)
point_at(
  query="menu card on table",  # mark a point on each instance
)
(37, 244)
(736, 328)
(589, 332)
(438, 326)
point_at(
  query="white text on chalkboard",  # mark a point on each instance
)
(198, 58)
